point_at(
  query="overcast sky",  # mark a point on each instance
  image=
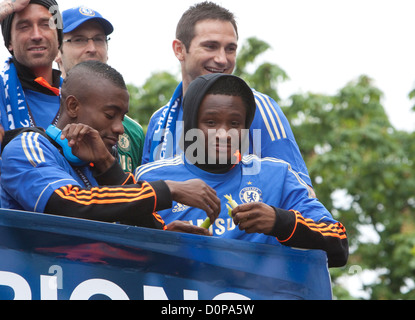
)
(321, 44)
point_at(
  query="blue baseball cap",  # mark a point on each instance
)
(73, 18)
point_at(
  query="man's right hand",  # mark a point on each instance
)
(87, 144)
(9, 7)
(196, 193)
(19, 5)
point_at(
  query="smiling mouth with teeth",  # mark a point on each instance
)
(215, 70)
(37, 49)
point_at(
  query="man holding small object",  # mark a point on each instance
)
(36, 175)
(274, 205)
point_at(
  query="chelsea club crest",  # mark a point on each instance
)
(250, 194)
(124, 143)
(87, 12)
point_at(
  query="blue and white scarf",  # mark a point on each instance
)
(164, 134)
(18, 114)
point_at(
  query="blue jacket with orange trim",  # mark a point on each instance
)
(270, 134)
(36, 177)
(302, 221)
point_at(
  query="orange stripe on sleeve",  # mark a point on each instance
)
(295, 228)
(106, 195)
(331, 230)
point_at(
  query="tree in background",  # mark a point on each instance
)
(154, 94)
(266, 76)
(353, 151)
(362, 168)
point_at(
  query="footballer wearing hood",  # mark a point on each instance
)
(219, 110)
(270, 202)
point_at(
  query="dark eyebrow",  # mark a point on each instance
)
(28, 21)
(76, 33)
(211, 112)
(115, 108)
(209, 42)
(112, 106)
(24, 21)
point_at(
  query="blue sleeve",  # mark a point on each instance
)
(32, 171)
(277, 138)
(296, 196)
(303, 222)
(149, 136)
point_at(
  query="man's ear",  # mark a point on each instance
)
(179, 49)
(72, 107)
(58, 59)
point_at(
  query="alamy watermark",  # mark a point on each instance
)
(220, 147)
(55, 21)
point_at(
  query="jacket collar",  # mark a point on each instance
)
(27, 79)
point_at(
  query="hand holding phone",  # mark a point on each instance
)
(55, 134)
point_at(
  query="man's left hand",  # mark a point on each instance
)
(255, 217)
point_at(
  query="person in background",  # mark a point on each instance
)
(86, 34)
(44, 178)
(274, 204)
(29, 86)
(206, 42)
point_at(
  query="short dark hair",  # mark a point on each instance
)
(185, 31)
(100, 70)
(232, 86)
(91, 69)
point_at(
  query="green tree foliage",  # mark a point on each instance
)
(349, 145)
(412, 96)
(266, 76)
(154, 94)
(362, 167)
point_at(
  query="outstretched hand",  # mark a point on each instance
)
(196, 193)
(87, 144)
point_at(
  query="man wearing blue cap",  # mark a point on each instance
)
(86, 34)
(85, 38)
